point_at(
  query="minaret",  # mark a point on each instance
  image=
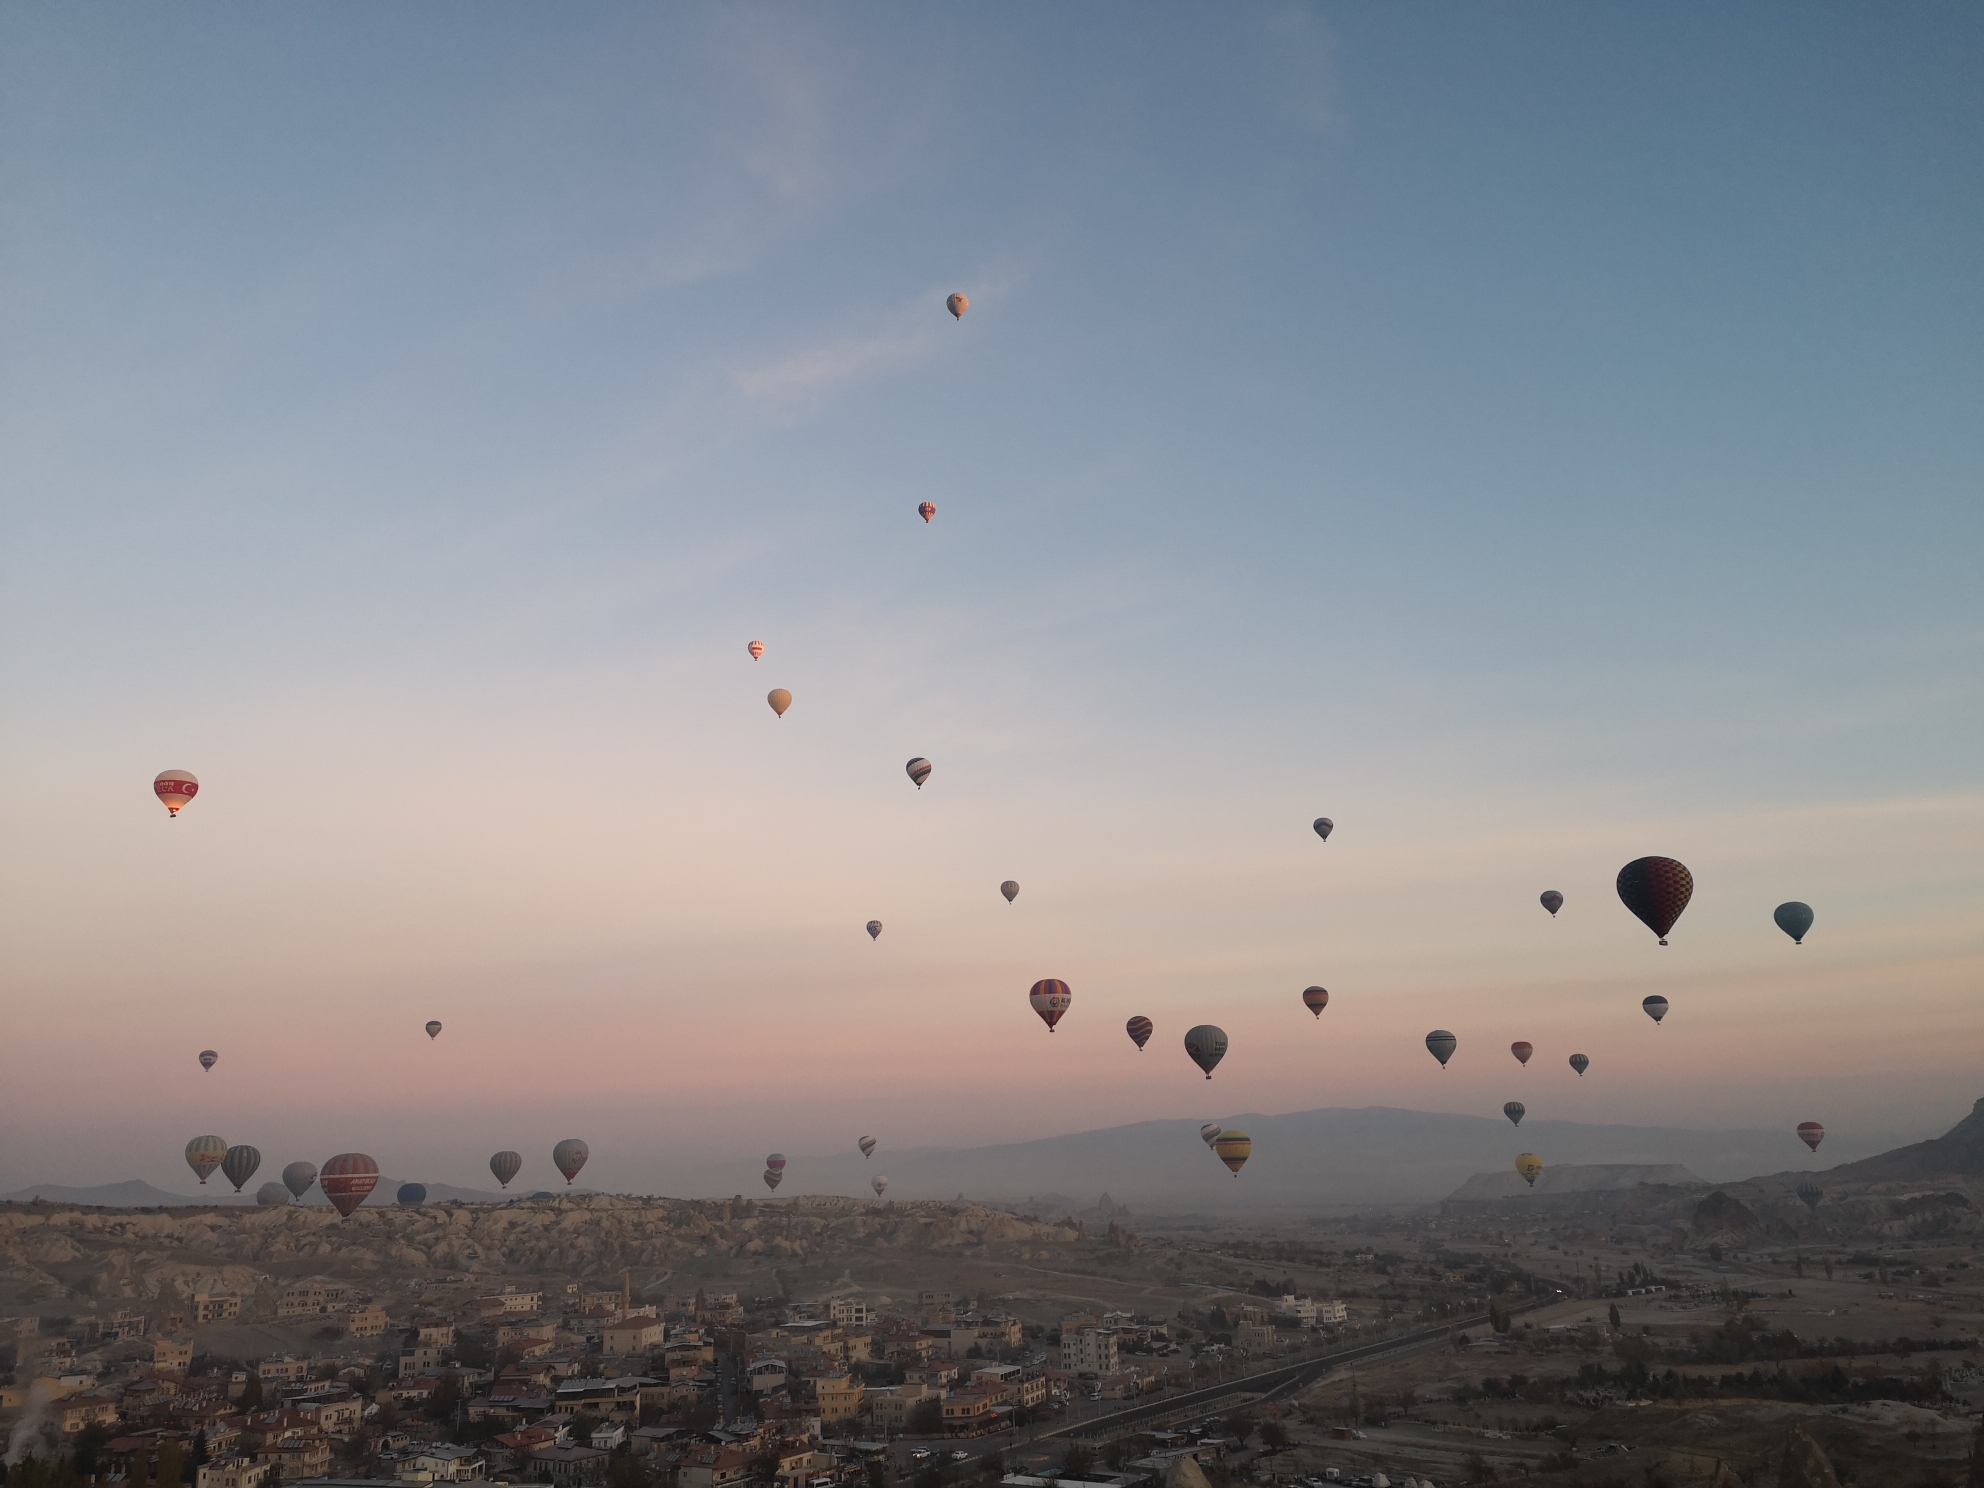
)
(626, 1293)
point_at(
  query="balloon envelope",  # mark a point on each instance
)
(1324, 826)
(1529, 1165)
(239, 1164)
(1441, 1045)
(918, 770)
(757, 649)
(1794, 919)
(874, 929)
(506, 1165)
(780, 700)
(1233, 1148)
(776, 1162)
(433, 1028)
(348, 1180)
(208, 1059)
(298, 1177)
(1011, 889)
(1522, 1049)
(204, 1154)
(570, 1155)
(1552, 901)
(1139, 1030)
(271, 1195)
(773, 1178)
(1810, 1133)
(1315, 999)
(1657, 890)
(1811, 1193)
(175, 788)
(926, 510)
(1655, 1007)
(1206, 1045)
(867, 1146)
(879, 1184)
(1515, 1111)
(957, 304)
(411, 1194)
(1050, 998)
(1209, 1133)
(1580, 1063)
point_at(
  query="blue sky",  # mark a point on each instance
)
(1534, 436)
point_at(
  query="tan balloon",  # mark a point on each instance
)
(957, 304)
(780, 700)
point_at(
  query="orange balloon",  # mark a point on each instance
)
(780, 700)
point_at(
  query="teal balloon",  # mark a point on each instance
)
(1794, 919)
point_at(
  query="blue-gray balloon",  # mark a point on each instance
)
(1794, 919)
(298, 1177)
(239, 1165)
(271, 1195)
(411, 1194)
(1441, 1045)
(505, 1165)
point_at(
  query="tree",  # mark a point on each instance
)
(926, 1418)
(171, 1464)
(1612, 1316)
(447, 1396)
(1274, 1435)
(1078, 1463)
(251, 1393)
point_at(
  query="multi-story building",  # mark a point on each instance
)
(1302, 1309)
(839, 1397)
(282, 1371)
(365, 1320)
(717, 1467)
(301, 1454)
(1328, 1313)
(890, 1409)
(442, 1463)
(232, 1472)
(850, 1312)
(1254, 1338)
(89, 1409)
(421, 1358)
(437, 1331)
(215, 1307)
(510, 1300)
(632, 1335)
(170, 1356)
(308, 1299)
(971, 1412)
(1090, 1351)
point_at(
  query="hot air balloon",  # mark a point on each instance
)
(1552, 901)
(1209, 1133)
(1441, 1045)
(1515, 1111)
(867, 1146)
(1529, 1165)
(1011, 889)
(1207, 1046)
(1657, 890)
(411, 1195)
(1522, 1049)
(756, 648)
(919, 770)
(298, 1177)
(874, 929)
(776, 1162)
(1050, 998)
(1794, 919)
(957, 304)
(204, 1154)
(1139, 1031)
(1233, 1148)
(1655, 1007)
(1315, 999)
(1811, 1193)
(238, 1165)
(879, 1184)
(926, 510)
(773, 1178)
(505, 1165)
(1324, 826)
(1580, 1063)
(208, 1059)
(175, 788)
(348, 1180)
(271, 1196)
(433, 1028)
(780, 700)
(570, 1155)
(1811, 1134)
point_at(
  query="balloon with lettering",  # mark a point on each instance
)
(1552, 901)
(348, 1180)
(1811, 1134)
(208, 1059)
(1655, 1007)
(1515, 1111)
(1011, 889)
(867, 1146)
(1580, 1063)
(1050, 998)
(1441, 1045)
(1233, 1149)
(918, 770)
(1139, 1030)
(780, 700)
(298, 1177)
(1522, 1049)
(174, 788)
(238, 1165)
(1207, 1046)
(1794, 919)
(1657, 890)
(1529, 1165)
(204, 1154)
(957, 304)
(1315, 999)
(569, 1156)
(506, 1165)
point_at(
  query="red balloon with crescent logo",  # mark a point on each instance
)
(348, 1180)
(175, 788)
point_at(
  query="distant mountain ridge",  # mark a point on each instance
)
(1958, 1152)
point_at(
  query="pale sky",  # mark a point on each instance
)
(1534, 436)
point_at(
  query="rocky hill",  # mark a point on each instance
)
(49, 1251)
(1957, 1153)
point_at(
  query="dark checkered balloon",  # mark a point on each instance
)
(1657, 890)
